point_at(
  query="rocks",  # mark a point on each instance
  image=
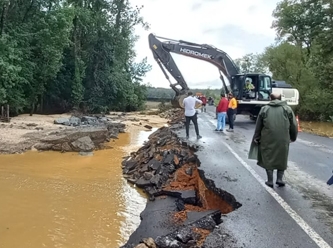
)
(191, 235)
(189, 205)
(80, 139)
(142, 245)
(90, 121)
(62, 121)
(90, 133)
(150, 243)
(148, 127)
(152, 164)
(83, 144)
(147, 243)
(31, 125)
(176, 117)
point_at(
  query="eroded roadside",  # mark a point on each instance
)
(70, 132)
(184, 207)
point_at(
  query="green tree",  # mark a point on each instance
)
(57, 55)
(251, 63)
(303, 56)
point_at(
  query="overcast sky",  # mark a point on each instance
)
(236, 26)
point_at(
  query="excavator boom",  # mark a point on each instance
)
(162, 49)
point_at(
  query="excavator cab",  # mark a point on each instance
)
(252, 91)
(251, 87)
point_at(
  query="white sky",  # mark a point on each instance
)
(236, 26)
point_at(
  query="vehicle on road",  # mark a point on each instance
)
(250, 101)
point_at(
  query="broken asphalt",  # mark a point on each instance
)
(298, 215)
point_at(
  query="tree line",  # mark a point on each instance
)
(302, 55)
(168, 93)
(59, 55)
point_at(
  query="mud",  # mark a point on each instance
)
(185, 206)
(319, 128)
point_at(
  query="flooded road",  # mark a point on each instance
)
(51, 199)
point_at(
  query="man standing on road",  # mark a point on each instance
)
(221, 110)
(276, 127)
(231, 111)
(204, 102)
(191, 114)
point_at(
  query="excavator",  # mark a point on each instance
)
(249, 102)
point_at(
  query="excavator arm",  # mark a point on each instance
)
(162, 49)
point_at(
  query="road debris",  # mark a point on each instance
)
(189, 205)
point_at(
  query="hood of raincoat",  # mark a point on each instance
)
(277, 103)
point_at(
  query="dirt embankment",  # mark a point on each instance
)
(185, 207)
(324, 129)
(24, 131)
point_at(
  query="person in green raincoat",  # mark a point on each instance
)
(276, 127)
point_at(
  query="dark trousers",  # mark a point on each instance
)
(230, 114)
(194, 119)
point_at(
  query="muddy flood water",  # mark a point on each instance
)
(65, 200)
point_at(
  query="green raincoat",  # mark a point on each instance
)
(276, 127)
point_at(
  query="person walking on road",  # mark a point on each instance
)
(276, 127)
(221, 110)
(232, 107)
(191, 114)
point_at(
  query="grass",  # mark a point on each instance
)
(155, 108)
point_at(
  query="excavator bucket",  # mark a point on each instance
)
(177, 102)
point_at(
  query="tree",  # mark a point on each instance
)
(303, 55)
(56, 55)
(251, 63)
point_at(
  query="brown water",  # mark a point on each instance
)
(66, 200)
(320, 128)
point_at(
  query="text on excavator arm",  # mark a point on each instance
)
(162, 49)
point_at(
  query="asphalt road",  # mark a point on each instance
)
(298, 215)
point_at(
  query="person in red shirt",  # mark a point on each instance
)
(221, 110)
(204, 102)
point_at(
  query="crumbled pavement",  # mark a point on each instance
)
(184, 207)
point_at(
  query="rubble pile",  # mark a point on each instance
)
(189, 236)
(94, 120)
(151, 166)
(184, 206)
(176, 117)
(81, 138)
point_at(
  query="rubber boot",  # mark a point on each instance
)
(269, 181)
(279, 178)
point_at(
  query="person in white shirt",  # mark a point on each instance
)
(191, 114)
